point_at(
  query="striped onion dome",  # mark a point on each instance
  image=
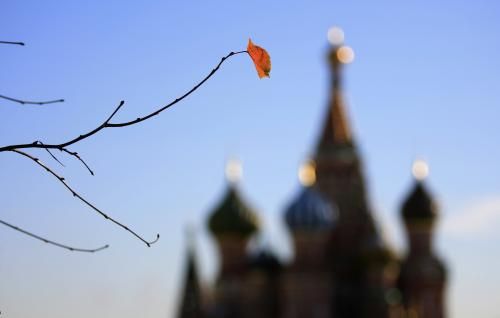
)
(310, 212)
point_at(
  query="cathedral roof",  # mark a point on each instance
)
(419, 204)
(233, 216)
(310, 211)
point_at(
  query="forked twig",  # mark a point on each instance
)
(52, 155)
(77, 195)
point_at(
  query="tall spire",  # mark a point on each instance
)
(338, 165)
(336, 129)
(340, 178)
(191, 306)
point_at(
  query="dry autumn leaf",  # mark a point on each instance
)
(260, 58)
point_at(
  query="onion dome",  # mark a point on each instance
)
(419, 206)
(310, 212)
(232, 216)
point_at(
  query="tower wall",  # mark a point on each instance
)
(307, 287)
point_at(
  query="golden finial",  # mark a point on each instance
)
(234, 170)
(345, 54)
(307, 173)
(420, 169)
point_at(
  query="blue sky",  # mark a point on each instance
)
(424, 83)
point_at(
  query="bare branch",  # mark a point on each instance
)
(26, 102)
(138, 120)
(14, 43)
(70, 248)
(77, 195)
(71, 153)
(107, 124)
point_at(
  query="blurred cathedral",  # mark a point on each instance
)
(342, 267)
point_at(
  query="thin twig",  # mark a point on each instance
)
(52, 155)
(9, 42)
(107, 124)
(27, 102)
(70, 248)
(71, 153)
(77, 195)
(77, 156)
(138, 120)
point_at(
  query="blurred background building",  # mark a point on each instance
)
(342, 267)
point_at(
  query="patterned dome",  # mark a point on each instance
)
(419, 205)
(233, 216)
(310, 212)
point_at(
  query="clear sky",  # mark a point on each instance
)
(424, 83)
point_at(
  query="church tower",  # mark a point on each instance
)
(338, 164)
(307, 285)
(422, 279)
(358, 254)
(232, 223)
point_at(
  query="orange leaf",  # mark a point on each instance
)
(260, 58)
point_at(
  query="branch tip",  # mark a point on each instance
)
(45, 240)
(14, 43)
